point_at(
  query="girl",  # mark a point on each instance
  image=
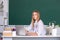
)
(36, 27)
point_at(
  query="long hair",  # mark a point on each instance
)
(38, 13)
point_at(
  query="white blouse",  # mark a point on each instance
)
(38, 28)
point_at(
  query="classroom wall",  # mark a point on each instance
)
(20, 11)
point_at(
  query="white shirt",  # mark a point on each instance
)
(38, 28)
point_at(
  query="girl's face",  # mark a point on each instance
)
(35, 15)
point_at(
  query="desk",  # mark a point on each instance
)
(46, 37)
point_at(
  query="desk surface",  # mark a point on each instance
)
(34, 36)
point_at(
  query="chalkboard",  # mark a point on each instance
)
(20, 11)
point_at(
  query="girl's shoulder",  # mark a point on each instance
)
(40, 21)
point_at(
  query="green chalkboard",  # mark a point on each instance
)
(20, 11)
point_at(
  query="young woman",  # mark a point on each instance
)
(36, 27)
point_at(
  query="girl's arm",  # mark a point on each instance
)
(32, 34)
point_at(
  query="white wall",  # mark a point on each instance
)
(5, 11)
(0, 1)
(5, 3)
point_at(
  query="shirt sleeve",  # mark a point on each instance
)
(41, 29)
(29, 27)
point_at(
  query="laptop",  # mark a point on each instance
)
(20, 30)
